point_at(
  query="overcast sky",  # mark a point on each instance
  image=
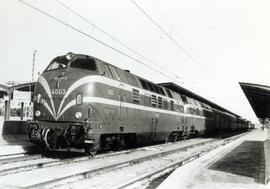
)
(210, 45)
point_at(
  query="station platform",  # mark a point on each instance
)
(14, 139)
(244, 163)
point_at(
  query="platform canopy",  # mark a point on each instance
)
(259, 98)
(6, 89)
(3, 90)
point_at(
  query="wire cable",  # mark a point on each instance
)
(91, 37)
(174, 41)
(167, 34)
(170, 24)
(115, 39)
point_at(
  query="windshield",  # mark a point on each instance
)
(84, 63)
(80, 63)
(58, 63)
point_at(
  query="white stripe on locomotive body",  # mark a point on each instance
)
(47, 89)
(127, 105)
(49, 109)
(69, 105)
(106, 101)
(112, 83)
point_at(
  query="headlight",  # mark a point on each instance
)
(78, 115)
(37, 113)
(69, 56)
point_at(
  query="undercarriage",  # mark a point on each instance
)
(75, 136)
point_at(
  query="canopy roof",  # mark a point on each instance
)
(259, 98)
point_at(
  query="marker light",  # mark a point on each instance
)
(79, 99)
(39, 98)
(78, 115)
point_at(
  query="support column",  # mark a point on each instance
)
(22, 112)
(6, 113)
(268, 132)
(7, 107)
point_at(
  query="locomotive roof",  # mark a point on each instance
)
(172, 86)
(181, 90)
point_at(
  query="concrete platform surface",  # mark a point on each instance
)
(240, 164)
(13, 142)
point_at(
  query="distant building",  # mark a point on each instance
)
(16, 99)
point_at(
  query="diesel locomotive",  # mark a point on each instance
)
(81, 102)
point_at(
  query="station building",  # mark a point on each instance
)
(16, 100)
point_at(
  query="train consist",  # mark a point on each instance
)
(82, 102)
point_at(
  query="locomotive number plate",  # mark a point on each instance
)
(58, 91)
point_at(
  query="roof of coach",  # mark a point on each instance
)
(191, 94)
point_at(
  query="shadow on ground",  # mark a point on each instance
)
(248, 159)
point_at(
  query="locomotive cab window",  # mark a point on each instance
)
(58, 63)
(86, 64)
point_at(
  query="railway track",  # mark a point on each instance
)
(141, 173)
(69, 171)
(19, 163)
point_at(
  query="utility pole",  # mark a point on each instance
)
(33, 64)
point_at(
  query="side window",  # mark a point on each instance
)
(131, 80)
(115, 72)
(153, 100)
(161, 91)
(176, 96)
(184, 99)
(136, 96)
(108, 71)
(169, 93)
(144, 85)
(157, 89)
(151, 87)
(159, 102)
(190, 100)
